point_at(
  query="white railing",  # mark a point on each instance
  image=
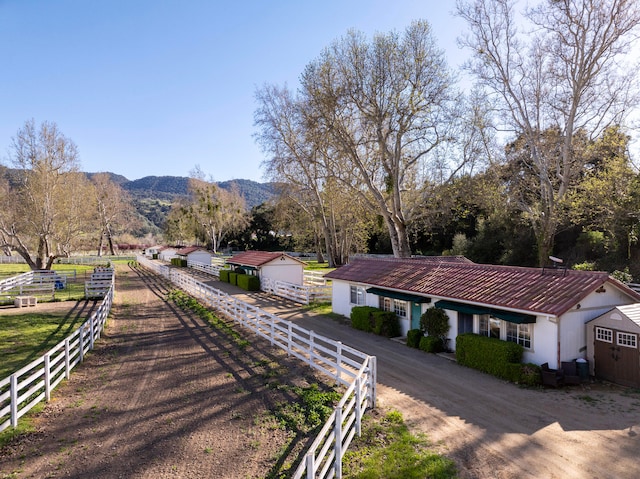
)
(212, 269)
(344, 364)
(8, 284)
(25, 388)
(48, 280)
(304, 294)
(314, 277)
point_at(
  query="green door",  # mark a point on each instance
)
(416, 312)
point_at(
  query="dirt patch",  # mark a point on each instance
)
(164, 395)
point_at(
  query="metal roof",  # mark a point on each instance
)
(258, 258)
(544, 291)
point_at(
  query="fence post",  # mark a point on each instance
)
(47, 377)
(67, 361)
(14, 400)
(81, 342)
(337, 432)
(359, 406)
(310, 466)
(338, 360)
(289, 334)
(91, 332)
(311, 347)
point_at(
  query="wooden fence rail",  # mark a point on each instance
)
(346, 365)
(25, 388)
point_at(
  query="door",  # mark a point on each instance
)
(416, 312)
(616, 356)
(465, 323)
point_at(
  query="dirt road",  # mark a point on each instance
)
(165, 397)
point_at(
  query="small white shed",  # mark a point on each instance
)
(195, 254)
(612, 345)
(165, 253)
(276, 266)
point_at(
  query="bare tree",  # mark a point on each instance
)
(45, 211)
(564, 75)
(384, 108)
(114, 209)
(298, 161)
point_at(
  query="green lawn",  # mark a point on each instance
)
(26, 337)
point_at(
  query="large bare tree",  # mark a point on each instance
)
(564, 74)
(297, 161)
(45, 210)
(384, 108)
(114, 209)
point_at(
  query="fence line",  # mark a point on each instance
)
(304, 294)
(34, 382)
(344, 364)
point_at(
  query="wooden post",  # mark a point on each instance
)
(47, 377)
(338, 360)
(337, 432)
(67, 361)
(14, 400)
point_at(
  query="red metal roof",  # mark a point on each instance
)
(258, 258)
(546, 291)
(189, 249)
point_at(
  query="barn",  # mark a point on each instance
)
(612, 345)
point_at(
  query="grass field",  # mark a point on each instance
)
(26, 337)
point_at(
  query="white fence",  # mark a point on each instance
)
(346, 365)
(34, 382)
(314, 277)
(305, 294)
(212, 269)
(38, 283)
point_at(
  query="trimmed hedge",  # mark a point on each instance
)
(361, 317)
(431, 344)
(179, 262)
(413, 338)
(386, 323)
(248, 282)
(490, 355)
(370, 319)
(224, 275)
(233, 278)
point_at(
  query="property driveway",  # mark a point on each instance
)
(491, 428)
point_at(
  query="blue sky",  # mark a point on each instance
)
(155, 87)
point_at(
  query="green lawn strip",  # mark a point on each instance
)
(25, 337)
(388, 450)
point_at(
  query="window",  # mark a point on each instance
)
(490, 326)
(519, 333)
(605, 335)
(357, 295)
(397, 306)
(627, 340)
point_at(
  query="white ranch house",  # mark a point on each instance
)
(543, 309)
(275, 266)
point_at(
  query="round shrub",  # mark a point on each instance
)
(435, 322)
(413, 338)
(431, 344)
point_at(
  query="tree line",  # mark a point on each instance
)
(381, 150)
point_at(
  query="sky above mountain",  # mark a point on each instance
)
(155, 87)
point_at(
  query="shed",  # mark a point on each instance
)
(165, 253)
(276, 266)
(612, 345)
(195, 254)
(542, 309)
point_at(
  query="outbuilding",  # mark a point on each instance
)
(612, 345)
(195, 254)
(268, 265)
(543, 309)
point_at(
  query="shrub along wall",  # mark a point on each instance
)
(179, 262)
(224, 275)
(233, 278)
(502, 359)
(370, 319)
(248, 282)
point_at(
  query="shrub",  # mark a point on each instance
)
(249, 282)
(233, 278)
(361, 317)
(224, 275)
(413, 338)
(386, 323)
(435, 322)
(431, 344)
(490, 355)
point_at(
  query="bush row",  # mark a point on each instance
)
(244, 281)
(375, 320)
(430, 344)
(179, 262)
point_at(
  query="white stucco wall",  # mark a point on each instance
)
(203, 257)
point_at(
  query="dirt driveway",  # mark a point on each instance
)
(165, 398)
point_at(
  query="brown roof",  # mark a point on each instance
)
(189, 249)
(257, 258)
(546, 291)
